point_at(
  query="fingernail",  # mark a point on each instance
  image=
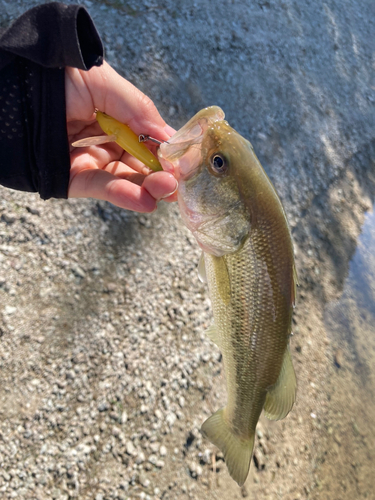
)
(170, 194)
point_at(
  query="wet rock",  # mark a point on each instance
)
(171, 419)
(33, 210)
(104, 406)
(259, 459)
(339, 358)
(144, 481)
(244, 492)
(78, 271)
(154, 447)
(205, 456)
(8, 218)
(124, 417)
(181, 401)
(110, 288)
(140, 458)
(130, 448)
(195, 469)
(9, 310)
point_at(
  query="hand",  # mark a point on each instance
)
(107, 172)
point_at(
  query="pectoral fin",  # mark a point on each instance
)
(281, 396)
(222, 279)
(202, 269)
(213, 334)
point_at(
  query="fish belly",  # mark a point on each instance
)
(251, 328)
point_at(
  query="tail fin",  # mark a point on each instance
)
(237, 451)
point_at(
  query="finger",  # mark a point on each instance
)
(122, 171)
(135, 164)
(110, 157)
(172, 198)
(160, 185)
(123, 101)
(103, 185)
(170, 131)
(78, 129)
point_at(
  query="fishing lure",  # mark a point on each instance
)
(123, 136)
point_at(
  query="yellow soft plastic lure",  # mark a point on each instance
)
(123, 136)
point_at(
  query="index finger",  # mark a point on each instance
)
(123, 101)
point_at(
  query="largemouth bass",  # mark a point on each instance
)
(236, 216)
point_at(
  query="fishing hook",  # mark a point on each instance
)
(144, 138)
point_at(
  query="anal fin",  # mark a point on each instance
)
(281, 396)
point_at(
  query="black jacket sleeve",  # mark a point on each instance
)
(34, 150)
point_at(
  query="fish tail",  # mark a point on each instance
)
(237, 451)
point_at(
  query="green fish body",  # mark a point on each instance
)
(230, 205)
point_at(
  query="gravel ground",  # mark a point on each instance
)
(106, 372)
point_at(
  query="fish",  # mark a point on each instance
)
(231, 207)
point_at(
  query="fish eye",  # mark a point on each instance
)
(219, 164)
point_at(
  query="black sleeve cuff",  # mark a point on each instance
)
(54, 35)
(34, 51)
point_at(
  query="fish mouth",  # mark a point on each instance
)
(182, 154)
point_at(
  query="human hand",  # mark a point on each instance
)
(107, 172)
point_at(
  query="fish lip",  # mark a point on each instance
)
(182, 154)
(183, 157)
(180, 172)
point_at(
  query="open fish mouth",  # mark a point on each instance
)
(182, 155)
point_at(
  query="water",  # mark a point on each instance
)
(350, 429)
